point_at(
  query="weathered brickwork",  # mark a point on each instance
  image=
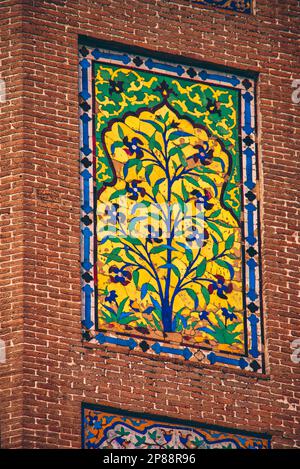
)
(49, 371)
(11, 224)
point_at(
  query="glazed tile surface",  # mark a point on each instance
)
(103, 429)
(170, 239)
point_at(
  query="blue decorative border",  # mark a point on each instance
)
(254, 358)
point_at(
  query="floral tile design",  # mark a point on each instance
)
(105, 428)
(170, 210)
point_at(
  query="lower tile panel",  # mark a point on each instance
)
(108, 428)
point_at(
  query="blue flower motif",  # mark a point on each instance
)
(204, 155)
(120, 275)
(135, 191)
(112, 296)
(203, 315)
(220, 287)
(228, 314)
(168, 438)
(203, 198)
(183, 439)
(92, 419)
(133, 147)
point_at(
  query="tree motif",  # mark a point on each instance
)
(168, 247)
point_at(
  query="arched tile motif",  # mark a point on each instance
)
(170, 209)
(108, 428)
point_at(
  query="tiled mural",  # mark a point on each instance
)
(170, 244)
(105, 428)
(244, 6)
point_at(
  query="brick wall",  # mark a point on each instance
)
(11, 223)
(40, 216)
